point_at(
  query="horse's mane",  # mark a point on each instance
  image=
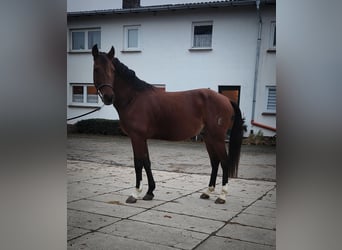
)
(130, 77)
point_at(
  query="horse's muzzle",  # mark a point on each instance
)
(108, 99)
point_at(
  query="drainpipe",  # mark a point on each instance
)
(256, 70)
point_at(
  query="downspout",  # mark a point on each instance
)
(256, 73)
(256, 70)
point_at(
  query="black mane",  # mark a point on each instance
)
(130, 77)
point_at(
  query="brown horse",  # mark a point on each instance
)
(147, 112)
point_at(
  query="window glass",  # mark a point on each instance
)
(78, 40)
(202, 36)
(132, 37)
(94, 37)
(92, 94)
(77, 93)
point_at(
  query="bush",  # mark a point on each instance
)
(99, 126)
(260, 139)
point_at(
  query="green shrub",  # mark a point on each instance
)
(99, 126)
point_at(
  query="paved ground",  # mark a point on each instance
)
(101, 177)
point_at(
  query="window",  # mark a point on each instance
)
(84, 94)
(132, 38)
(271, 101)
(273, 36)
(202, 35)
(85, 39)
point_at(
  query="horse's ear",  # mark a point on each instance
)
(95, 51)
(111, 53)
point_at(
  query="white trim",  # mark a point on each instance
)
(201, 23)
(85, 30)
(268, 87)
(126, 47)
(84, 103)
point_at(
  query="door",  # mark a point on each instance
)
(232, 92)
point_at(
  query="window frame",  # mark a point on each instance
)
(267, 98)
(125, 46)
(86, 38)
(273, 36)
(193, 26)
(85, 102)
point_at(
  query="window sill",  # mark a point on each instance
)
(269, 113)
(131, 51)
(201, 49)
(271, 51)
(86, 105)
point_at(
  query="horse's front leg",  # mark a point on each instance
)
(138, 165)
(141, 159)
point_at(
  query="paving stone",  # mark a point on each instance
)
(194, 206)
(256, 220)
(111, 181)
(151, 233)
(103, 177)
(161, 193)
(190, 182)
(88, 220)
(250, 234)
(246, 191)
(265, 203)
(271, 196)
(179, 221)
(219, 243)
(80, 190)
(264, 211)
(118, 198)
(74, 232)
(160, 176)
(116, 210)
(103, 241)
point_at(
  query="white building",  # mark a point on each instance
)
(227, 46)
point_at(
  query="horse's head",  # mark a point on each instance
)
(104, 73)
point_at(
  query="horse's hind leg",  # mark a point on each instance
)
(214, 161)
(218, 154)
(225, 161)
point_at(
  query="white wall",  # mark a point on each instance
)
(165, 56)
(267, 72)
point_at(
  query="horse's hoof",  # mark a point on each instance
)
(131, 199)
(204, 196)
(148, 197)
(220, 201)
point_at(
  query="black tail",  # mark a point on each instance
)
(235, 141)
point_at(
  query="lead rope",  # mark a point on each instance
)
(96, 109)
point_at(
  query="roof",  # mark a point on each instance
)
(171, 7)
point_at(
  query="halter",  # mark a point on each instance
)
(100, 87)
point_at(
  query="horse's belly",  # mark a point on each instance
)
(177, 131)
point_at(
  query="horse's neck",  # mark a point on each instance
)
(124, 93)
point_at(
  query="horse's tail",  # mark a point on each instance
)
(235, 141)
